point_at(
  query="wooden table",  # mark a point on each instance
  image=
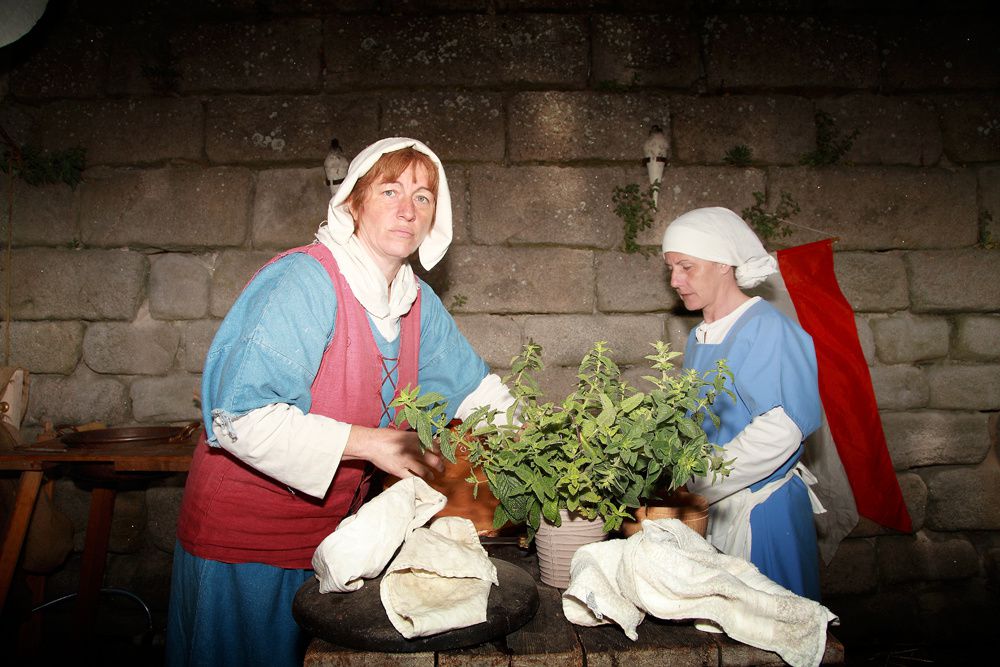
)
(549, 640)
(35, 460)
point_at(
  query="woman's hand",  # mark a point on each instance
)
(396, 452)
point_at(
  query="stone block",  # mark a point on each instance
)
(678, 331)
(687, 188)
(196, 338)
(183, 207)
(900, 387)
(71, 284)
(554, 205)
(283, 128)
(963, 498)
(78, 399)
(44, 215)
(288, 207)
(279, 55)
(128, 523)
(977, 338)
(233, 270)
(557, 382)
(852, 570)
(925, 557)
(866, 337)
(164, 506)
(971, 127)
(904, 338)
(133, 131)
(466, 126)
(521, 280)
(964, 387)
(46, 347)
(881, 208)
(932, 437)
(555, 125)
(938, 53)
(989, 202)
(954, 280)
(69, 59)
(458, 184)
(872, 619)
(455, 49)
(566, 339)
(495, 338)
(178, 286)
(779, 129)
(872, 281)
(891, 130)
(659, 50)
(143, 347)
(166, 399)
(771, 51)
(953, 611)
(633, 282)
(914, 492)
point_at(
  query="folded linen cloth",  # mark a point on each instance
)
(363, 543)
(671, 572)
(439, 581)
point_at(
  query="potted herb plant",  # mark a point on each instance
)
(598, 453)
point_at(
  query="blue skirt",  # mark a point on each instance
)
(232, 614)
(783, 540)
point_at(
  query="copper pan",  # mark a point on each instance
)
(130, 434)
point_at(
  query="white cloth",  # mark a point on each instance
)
(440, 580)
(717, 234)
(363, 543)
(729, 521)
(669, 571)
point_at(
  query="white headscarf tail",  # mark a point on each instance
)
(717, 234)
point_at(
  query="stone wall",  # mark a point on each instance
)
(205, 125)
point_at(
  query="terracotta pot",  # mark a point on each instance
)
(690, 508)
(557, 544)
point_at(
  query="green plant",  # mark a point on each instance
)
(637, 209)
(600, 451)
(459, 300)
(986, 240)
(831, 143)
(739, 155)
(771, 225)
(37, 167)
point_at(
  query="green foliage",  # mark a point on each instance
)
(739, 155)
(426, 414)
(37, 167)
(602, 449)
(637, 209)
(459, 300)
(831, 143)
(771, 225)
(986, 240)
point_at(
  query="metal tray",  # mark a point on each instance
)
(125, 434)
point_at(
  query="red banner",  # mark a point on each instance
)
(845, 384)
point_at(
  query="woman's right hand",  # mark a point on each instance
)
(393, 451)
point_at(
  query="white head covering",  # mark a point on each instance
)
(341, 222)
(717, 234)
(384, 303)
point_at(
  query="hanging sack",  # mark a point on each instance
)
(50, 534)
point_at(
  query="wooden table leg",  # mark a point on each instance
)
(17, 528)
(95, 551)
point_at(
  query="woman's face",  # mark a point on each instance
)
(699, 282)
(396, 217)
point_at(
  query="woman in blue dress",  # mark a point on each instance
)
(296, 396)
(763, 511)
